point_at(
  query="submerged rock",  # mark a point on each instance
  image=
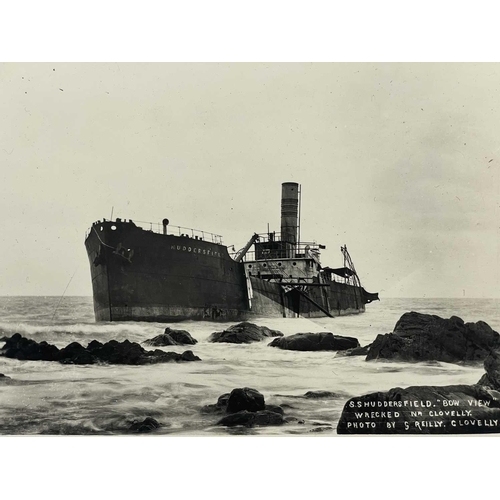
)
(315, 342)
(219, 407)
(320, 395)
(454, 409)
(189, 356)
(149, 424)
(244, 333)
(223, 399)
(425, 337)
(162, 340)
(355, 351)
(182, 337)
(113, 352)
(245, 407)
(322, 428)
(245, 399)
(275, 409)
(252, 419)
(172, 337)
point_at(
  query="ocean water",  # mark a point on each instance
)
(51, 398)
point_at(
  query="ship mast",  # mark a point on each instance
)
(349, 263)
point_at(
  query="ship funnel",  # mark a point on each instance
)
(289, 212)
(165, 224)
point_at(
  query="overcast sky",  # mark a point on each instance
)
(398, 161)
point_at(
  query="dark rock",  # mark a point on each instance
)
(245, 399)
(94, 344)
(267, 417)
(454, 409)
(320, 395)
(492, 376)
(222, 401)
(425, 337)
(323, 428)
(182, 337)
(189, 356)
(131, 353)
(356, 351)
(161, 340)
(245, 407)
(275, 409)
(113, 352)
(149, 424)
(245, 418)
(244, 333)
(4, 377)
(76, 354)
(315, 342)
(172, 337)
(159, 356)
(219, 407)
(19, 347)
(120, 353)
(212, 409)
(252, 419)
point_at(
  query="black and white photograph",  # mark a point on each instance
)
(249, 248)
(241, 250)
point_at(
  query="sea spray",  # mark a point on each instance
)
(50, 398)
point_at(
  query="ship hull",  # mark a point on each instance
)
(140, 275)
(334, 299)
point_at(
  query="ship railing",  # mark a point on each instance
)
(157, 227)
(303, 250)
(301, 246)
(198, 234)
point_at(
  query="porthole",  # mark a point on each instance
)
(279, 264)
(250, 266)
(265, 265)
(102, 228)
(295, 263)
(113, 228)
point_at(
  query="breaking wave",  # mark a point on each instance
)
(52, 398)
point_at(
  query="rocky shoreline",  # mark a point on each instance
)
(451, 409)
(416, 337)
(112, 352)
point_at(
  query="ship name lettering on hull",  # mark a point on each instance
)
(183, 248)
